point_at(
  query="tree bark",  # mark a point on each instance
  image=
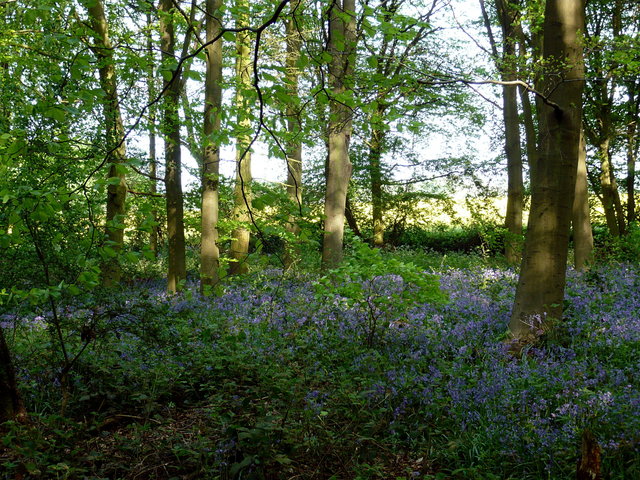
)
(375, 172)
(177, 270)
(633, 105)
(11, 406)
(153, 157)
(508, 16)
(209, 251)
(582, 232)
(294, 144)
(610, 195)
(341, 47)
(242, 190)
(115, 140)
(515, 188)
(540, 290)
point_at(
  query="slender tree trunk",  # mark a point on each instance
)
(582, 233)
(508, 16)
(242, 190)
(540, 290)
(115, 141)
(153, 158)
(342, 50)
(209, 252)
(375, 172)
(11, 406)
(294, 127)
(351, 219)
(529, 113)
(632, 150)
(177, 271)
(610, 194)
(515, 187)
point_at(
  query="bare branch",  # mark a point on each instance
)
(517, 83)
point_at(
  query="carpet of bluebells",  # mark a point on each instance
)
(281, 377)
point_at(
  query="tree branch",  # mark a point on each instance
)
(517, 83)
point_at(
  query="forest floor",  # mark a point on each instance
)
(309, 377)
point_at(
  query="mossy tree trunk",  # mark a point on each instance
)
(177, 270)
(115, 140)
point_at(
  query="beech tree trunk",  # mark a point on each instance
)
(209, 252)
(177, 270)
(153, 157)
(582, 232)
(242, 190)
(540, 290)
(515, 187)
(632, 149)
(115, 141)
(375, 172)
(610, 195)
(294, 127)
(341, 47)
(508, 16)
(11, 406)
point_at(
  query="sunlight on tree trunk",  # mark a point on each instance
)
(115, 141)
(209, 252)
(341, 47)
(540, 290)
(177, 271)
(242, 191)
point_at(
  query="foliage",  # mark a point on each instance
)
(380, 289)
(474, 238)
(625, 248)
(274, 378)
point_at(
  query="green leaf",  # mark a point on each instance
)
(55, 113)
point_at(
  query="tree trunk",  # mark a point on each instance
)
(582, 233)
(153, 158)
(610, 195)
(209, 252)
(540, 290)
(528, 112)
(115, 141)
(632, 150)
(242, 190)
(508, 17)
(375, 172)
(294, 127)
(341, 47)
(177, 270)
(515, 188)
(351, 219)
(11, 406)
